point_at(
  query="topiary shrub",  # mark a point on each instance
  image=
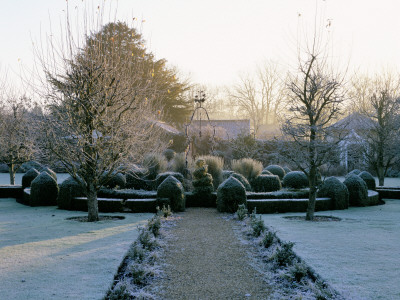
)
(155, 164)
(215, 165)
(354, 172)
(336, 190)
(230, 194)
(202, 181)
(369, 180)
(169, 154)
(266, 183)
(162, 176)
(276, 170)
(287, 169)
(115, 180)
(226, 174)
(28, 177)
(172, 189)
(295, 180)
(69, 189)
(266, 172)
(242, 180)
(44, 190)
(50, 172)
(248, 167)
(358, 190)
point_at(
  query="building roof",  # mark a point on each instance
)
(230, 128)
(354, 121)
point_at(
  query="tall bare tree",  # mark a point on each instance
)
(99, 118)
(315, 100)
(378, 98)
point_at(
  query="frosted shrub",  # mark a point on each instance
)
(336, 190)
(248, 167)
(68, 189)
(242, 180)
(226, 174)
(266, 183)
(178, 164)
(295, 180)
(171, 188)
(28, 177)
(354, 172)
(287, 170)
(155, 164)
(266, 172)
(230, 194)
(284, 255)
(162, 176)
(44, 190)
(135, 178)
(358, 190)
(202, 180)
(215, 165)
(298, 271)
(154, 225)
(258, 226)
(276, 170)
(269, 239)
(169, 154)
(50, 172)
(369, 180)
(241, 212)
(115, 180)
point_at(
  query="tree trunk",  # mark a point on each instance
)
(380, 167)
(381, 176)
(313, 193)
(93, 209)
(12, 173)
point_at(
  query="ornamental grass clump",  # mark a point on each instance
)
(28, 177)
(369, 180)
(276, 170)
(69, 189)
(336, 190)
(169, 154)
(44, 190)
(358, 190)
(155, 164)
(266, 183)
(230, 194)
(215, 165)
(248, 167)
(295, 180)
(172, 189)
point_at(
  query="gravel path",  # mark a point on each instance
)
(205, 260)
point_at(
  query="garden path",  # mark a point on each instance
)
(206, 260)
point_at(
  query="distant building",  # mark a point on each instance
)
(225, 129)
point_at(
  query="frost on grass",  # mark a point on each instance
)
(143, 262)
(288, 275)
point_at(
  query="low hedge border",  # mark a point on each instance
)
(282, 194)
(11, 191)
(270, 206)
(388, 192)
(126, 194)
(199, 200)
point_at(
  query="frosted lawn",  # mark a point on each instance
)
(45, 256)
(358, 256)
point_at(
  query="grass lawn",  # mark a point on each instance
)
(358, 255)
(45, 256)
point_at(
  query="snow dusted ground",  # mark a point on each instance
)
(45, 256)
(5, 178)
(358, 256)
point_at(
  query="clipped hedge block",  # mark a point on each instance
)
(266, 183)
(135, 178)
(115, 180)
(199, 200)
(337, 191)
(68, 190)
(276, 170)
(287, 169)
(354, 172)
(266, 172)
(295, 180)
(28, 177)
(270, 206)
(162, 176)
(142, 205)
(369, 180)
(49, 171)
(12, 191)
(172, 189)
(226, 174)
(104, 204)
(230, 194)
(358, 190)
(44, 190)
(126, 194)
(282, 194)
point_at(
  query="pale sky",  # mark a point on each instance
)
(216, 40)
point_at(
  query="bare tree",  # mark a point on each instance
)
(16, 138)
(99, 118)
(315, 100)
(259, 97)
(380, 101)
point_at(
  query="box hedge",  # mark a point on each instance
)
(369, 180)
(266, 183)
(44, 190)
(172, 189)
(276, 170)
(295, 180)
(337, 191)
(68, 190)
(358, 190)
(28, 177)
(230, 194)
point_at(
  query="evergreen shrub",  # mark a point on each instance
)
(336, 190)
(276, 170)
(226, 174)
(135, 178)
(287, 169)
(215, 165)
(50, 172)
(266, 183)
(295, 180)
(203, 181)
(69, 189)
(28, 177)
(266, 172)
(169, 154)
(248, 167)
(354, 172)
(172, 189)
(369, 180)
(162, 176)
(358, 190)
(44, 190)
(115, 180)
(230, 194)
(242, 180)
